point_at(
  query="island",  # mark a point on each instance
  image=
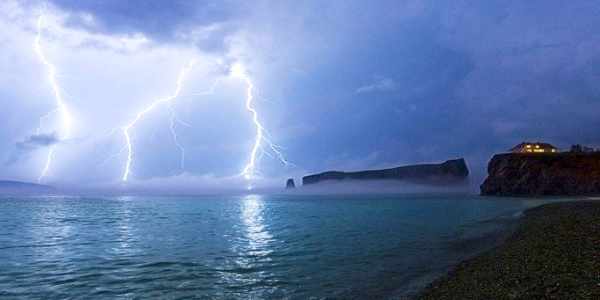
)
(543, 174)
(448, 172)
(11, 187)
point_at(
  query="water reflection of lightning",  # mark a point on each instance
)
(61, 107)
(261, 135)
(140, 115)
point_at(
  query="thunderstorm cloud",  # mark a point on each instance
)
(444, 79)
(36, 141)
(30, 144)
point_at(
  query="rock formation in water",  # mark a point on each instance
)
(290, 184)
(560, 174)
(449, 172)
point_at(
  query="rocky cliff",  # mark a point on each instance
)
(451, 171)
(517, 174)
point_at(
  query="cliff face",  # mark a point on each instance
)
(451, 171)
(543, 174)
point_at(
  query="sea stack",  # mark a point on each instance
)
(290, 184)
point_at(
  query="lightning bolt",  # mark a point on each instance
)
(261, 136)
(174, 120)
(128, 127)
(61, 107)
(262, 142)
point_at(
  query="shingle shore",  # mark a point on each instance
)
(553, 254)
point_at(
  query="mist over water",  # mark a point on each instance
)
(223, 246)
(382, 187)
(189, 185)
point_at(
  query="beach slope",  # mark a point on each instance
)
(553, 254)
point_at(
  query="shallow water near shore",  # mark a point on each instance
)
(260, 246)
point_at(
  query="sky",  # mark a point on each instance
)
(343, 85)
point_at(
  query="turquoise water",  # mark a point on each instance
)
(263, 247)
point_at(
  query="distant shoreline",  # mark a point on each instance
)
(552, 254)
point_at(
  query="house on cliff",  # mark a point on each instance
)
(537, 147)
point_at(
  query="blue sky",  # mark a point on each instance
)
(338, 84)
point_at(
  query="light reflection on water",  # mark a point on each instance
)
(255, 246)
(257, 235)
(123, 222)
(251, 248)
(50, 233)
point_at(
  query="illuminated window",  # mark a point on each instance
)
(528, 146)
(537, 146)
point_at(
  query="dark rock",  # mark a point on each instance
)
(290, 184)
(559, 174)
(451, 171)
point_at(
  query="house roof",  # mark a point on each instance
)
(542, 145)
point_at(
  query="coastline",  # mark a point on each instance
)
(553, 253)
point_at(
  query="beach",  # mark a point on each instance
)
(554, 253)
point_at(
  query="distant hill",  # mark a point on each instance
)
(9, 187)
(449, 172)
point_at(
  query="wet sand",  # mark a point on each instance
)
(553, 254)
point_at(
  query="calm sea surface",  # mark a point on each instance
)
(261, 247)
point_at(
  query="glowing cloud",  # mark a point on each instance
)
(61, 107)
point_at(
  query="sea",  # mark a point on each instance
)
(280, 246)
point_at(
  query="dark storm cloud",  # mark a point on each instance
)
(38, 141)
(207, 23)
(362, 84)
(470, 79)
(30, 144)
(533, 67)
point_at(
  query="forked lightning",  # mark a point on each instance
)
(167, 100)
(61, 108)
